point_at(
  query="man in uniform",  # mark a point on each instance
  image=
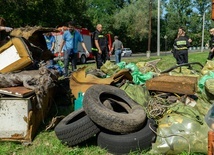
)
(181, 45)
(211, 53)
(100, 48)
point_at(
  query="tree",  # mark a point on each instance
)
(178, 14)
(47, 13)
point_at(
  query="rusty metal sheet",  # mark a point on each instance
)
(173, 84)
(20, 117)
(19, 91)
(13, 117)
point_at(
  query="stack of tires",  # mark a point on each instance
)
(120, 124)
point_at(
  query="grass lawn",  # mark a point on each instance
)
(46, 143)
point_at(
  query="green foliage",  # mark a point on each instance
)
(128, 19)
(48, 13)
(188, 14)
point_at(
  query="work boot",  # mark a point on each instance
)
(74, 68)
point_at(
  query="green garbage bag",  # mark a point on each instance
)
(121, 64)
(201, 82)
(131, 66)
(140, 78)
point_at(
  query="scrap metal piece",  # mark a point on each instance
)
(180, 65)
(19, 91)
(20, 118)
(173, 84)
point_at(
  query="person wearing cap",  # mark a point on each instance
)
(69, 44)
(181, 45)
(211, 53)
(117, 46)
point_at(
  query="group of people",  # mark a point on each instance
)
(71, 37)
(100, 49)
(69, 45)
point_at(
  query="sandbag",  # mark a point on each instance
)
(177, 133)
(203, 79)
(109, 68)
(209, 66)
(137, 92)
(209, 85)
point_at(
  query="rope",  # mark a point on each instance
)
(156, 107)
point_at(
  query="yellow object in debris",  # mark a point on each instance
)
(17, 52)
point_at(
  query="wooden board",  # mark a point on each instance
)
(173, 84)
(19, 91)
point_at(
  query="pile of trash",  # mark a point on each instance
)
(136, 107)
(27, 83)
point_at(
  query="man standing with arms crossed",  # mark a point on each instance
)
(211, 53)
(70, 40)
(100, 50)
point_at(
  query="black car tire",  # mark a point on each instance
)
(75, 128)
(122, 114)
(125, 143)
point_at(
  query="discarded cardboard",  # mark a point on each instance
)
(174, 84)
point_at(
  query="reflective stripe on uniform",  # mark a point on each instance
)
(181, 42)
(94, 49)
(100, 36)
(182, 48)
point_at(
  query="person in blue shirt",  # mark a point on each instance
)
(50, 41)
(69, 44)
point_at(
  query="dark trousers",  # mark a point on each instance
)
(210, 56)
(70, 57)
(181, 56)
(101, 58)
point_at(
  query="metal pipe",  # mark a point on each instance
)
(202, 38)
(158, 30)
(150, 25)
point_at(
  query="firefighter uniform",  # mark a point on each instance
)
(211, 53)
(181, 45)
(102, 41)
